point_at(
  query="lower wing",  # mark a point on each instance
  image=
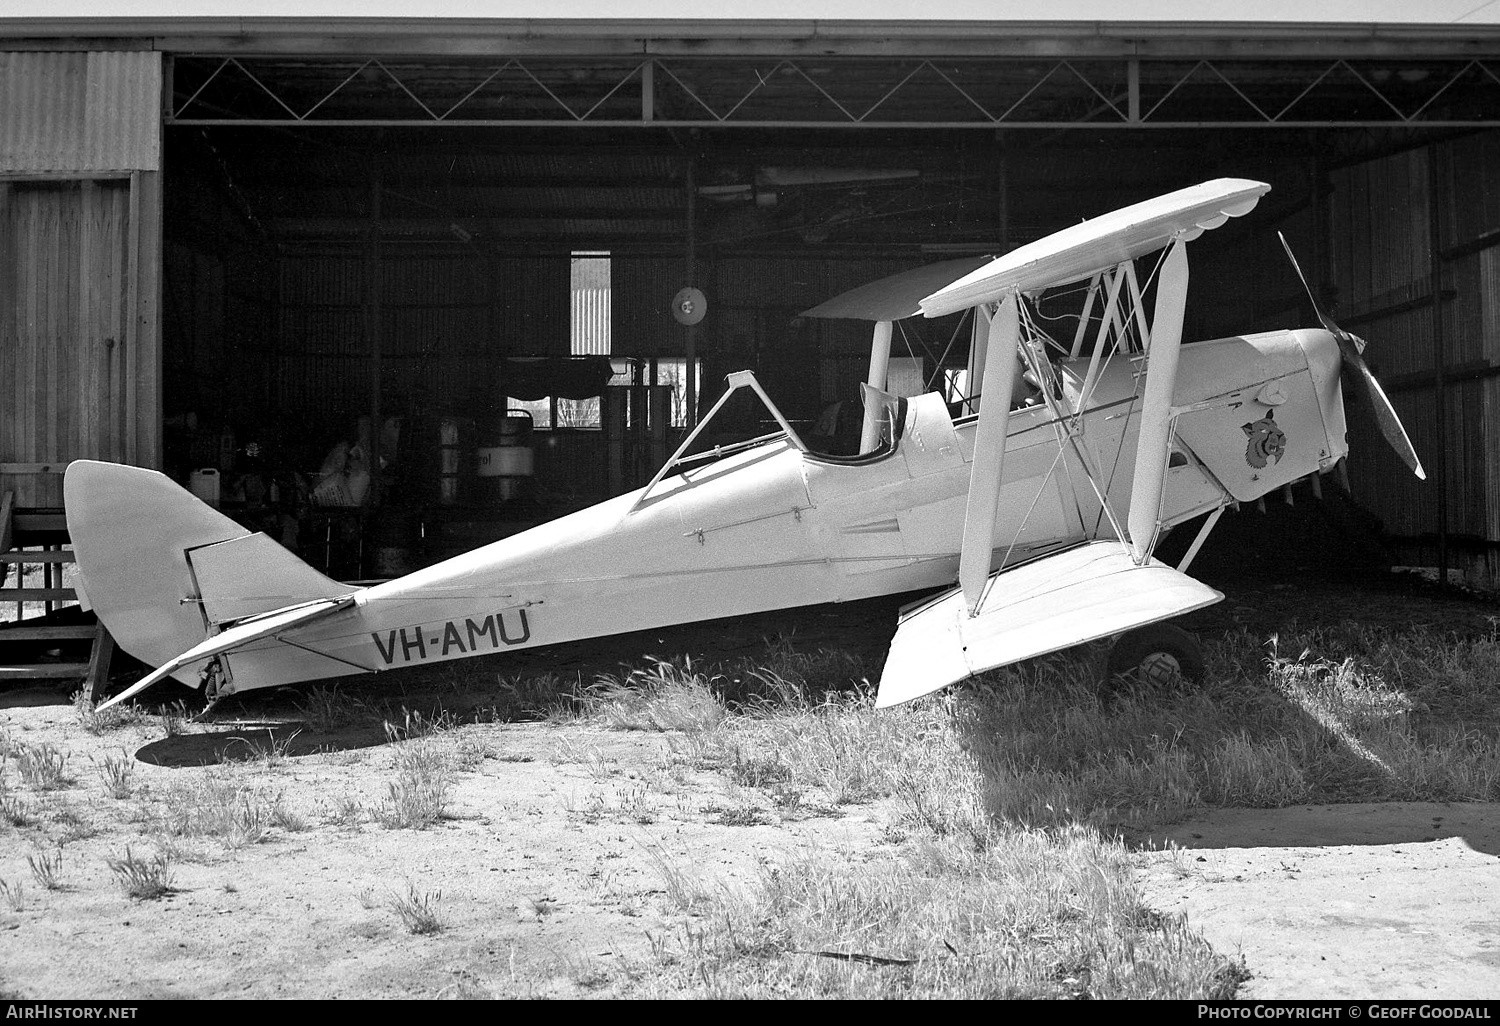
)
(1052, 603)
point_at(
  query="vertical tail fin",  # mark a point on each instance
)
(164, 570)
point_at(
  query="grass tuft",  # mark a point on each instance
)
(419, 795)
(270, 752)
(14, 895)
(667, 696)
(417, 911)
(116, 772)
(42, 766)
(327, 707)
(143, 879)
(46, 869)
(96, 722)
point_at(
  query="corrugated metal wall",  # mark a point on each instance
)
(75, 112)
(1381, 264)
(80, 352)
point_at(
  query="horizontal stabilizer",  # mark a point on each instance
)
(1050, 604)
(237, 636)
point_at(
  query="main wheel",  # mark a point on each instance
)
(1155, 655)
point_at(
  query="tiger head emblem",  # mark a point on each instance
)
(1265, 441)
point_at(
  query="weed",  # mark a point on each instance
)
(143, 878)
(14, 810)
(14, 895)
(419, 795)
(471, 753)
(115, 772)
(269, 753)
(683, 888)
(669, 696)
(418, 911)
(216, 805)
(285, 817)
(414, 725)
(758, 771)
(248, 822)
(96, 722)
(42, 766)
(637, 805)
(326, 707)
(173, 718)
(349, 813)
(741, 816)
(546, 695)
(46, 869)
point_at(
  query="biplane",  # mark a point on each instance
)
(1031, 507)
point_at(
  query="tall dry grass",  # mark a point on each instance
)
(1007, 793)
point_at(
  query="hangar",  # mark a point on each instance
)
(390, 286)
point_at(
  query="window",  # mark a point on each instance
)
(590, 309)
(904, 377)
(589, 335)
(672, 370)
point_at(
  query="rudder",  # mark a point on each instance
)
(163, 570)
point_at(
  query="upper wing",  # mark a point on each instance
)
(1043, 606)
(1077, 252)
(897, 296)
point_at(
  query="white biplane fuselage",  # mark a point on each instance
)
(1078, 483)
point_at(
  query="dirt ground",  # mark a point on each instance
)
(569, 848)
(561, 869)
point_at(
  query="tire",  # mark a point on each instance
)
(1156, 655)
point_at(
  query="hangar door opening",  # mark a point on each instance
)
(364, 267)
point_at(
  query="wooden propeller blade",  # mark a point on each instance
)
(1351, 348)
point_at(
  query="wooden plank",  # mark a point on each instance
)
(7, 512)
(148, 322)
(122, 311)
(29, 308)
(44, 671)
(76, 632)
(54, 556)
(131, 340)
(9, 344)
(29, 521)
(38, 594)
(84, 390)
(55, 329)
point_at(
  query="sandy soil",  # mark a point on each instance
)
(1396, 900)
(557, 870)
(569, 846)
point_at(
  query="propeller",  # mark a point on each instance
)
(1351, 348)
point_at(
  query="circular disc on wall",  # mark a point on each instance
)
(689, 305)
